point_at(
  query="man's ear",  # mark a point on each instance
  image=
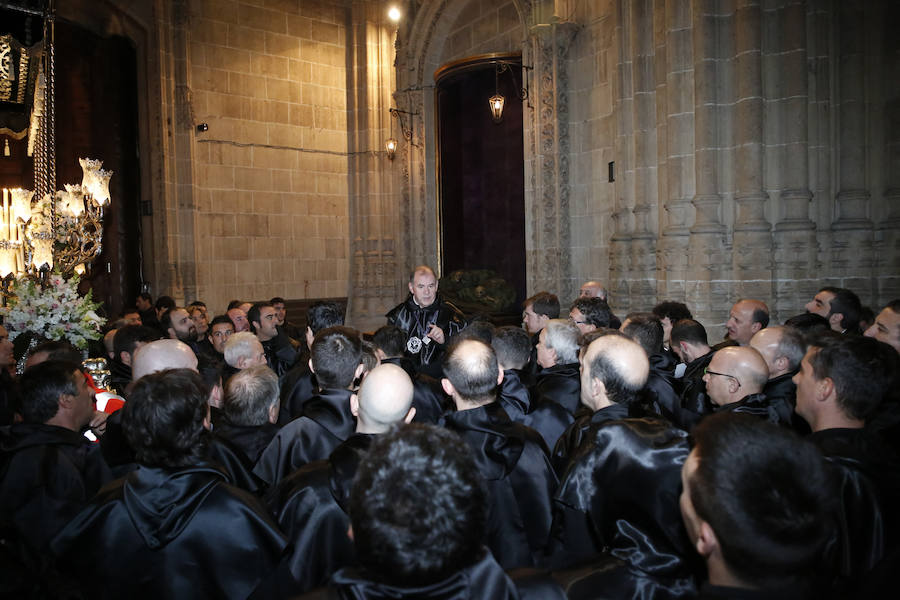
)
(732, 385)
(824, 388)
(65, 401)
(448, 387)
(172, 334)
(754, 327)
(410, 287)
(410, 415)
(309, 336)
(207, 421)
(350, 532)
(499, 375)
(311, 367)
(274, 409)
(360, 369)
(598, 388)
(707, 542)
(835, 320)
(354, 405)
(125, 358)
(256, 325)
(685, 350)
(782, 363)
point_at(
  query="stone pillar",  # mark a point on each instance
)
(888, 256)
(795, 234)
(547, 246)
(176, 273)
(752, 241)
(707, 254)
(374, 222)
(679, 146)
(851, 246)
(642, 145)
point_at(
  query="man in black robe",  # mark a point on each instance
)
(617, 503)
(782, 348)
(511, 458)
(761, 517)
(429, 399)
(312, 504)
(690, 343)
(291, 330)
(418, 511)
(48, 470)
(280, 354)
(175, 528)
(512, 346)
(557, 355)
(428, 320)
(299, 384)
(841, 382)
(326, 420)
(735, 379)
(658, 394)
(126, 342)
(250, 411)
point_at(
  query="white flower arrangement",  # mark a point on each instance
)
(56, 313)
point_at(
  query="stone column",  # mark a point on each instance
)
(176, 274)
(679, 146)
(374, 225)
(888, 255)
(795, 233)
(707, 255)
(547, 246)
(752, 240)
(642, 144)
(851, 246)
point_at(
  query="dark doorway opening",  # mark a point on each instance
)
(481, 172)
(96, 117)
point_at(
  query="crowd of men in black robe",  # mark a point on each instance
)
(445, 457)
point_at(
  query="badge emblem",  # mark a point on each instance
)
(414, 345)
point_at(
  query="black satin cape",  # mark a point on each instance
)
(560, 384)
(170, 533)
(548, 419)
(429, 399)
(484, 579)
(415, 319)
(250, 439)
(619, 496)
(868, 473)
(694, 401)
(758, 406)
(326, 422)
(47, 475)
(658, 394)
(520, 482)
(298, 386)
(311, 508)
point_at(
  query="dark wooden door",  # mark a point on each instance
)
(482, 186)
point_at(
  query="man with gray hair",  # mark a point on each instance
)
(557, 354)
(782, 348)
(243, 350)
(250, 410)
(311, 504)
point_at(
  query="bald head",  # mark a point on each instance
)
(613, 370)
(745, 319)
(160, 355)
(781, 347)
(735, 372)
(472, 372)
(592, 289)
(108, 342)
(384, 399)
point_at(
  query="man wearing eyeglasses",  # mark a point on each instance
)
(735, 379)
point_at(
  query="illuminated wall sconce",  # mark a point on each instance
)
(394, 14)
(390, 146)
(497, 101)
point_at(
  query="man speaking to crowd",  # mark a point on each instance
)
(428, 321)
